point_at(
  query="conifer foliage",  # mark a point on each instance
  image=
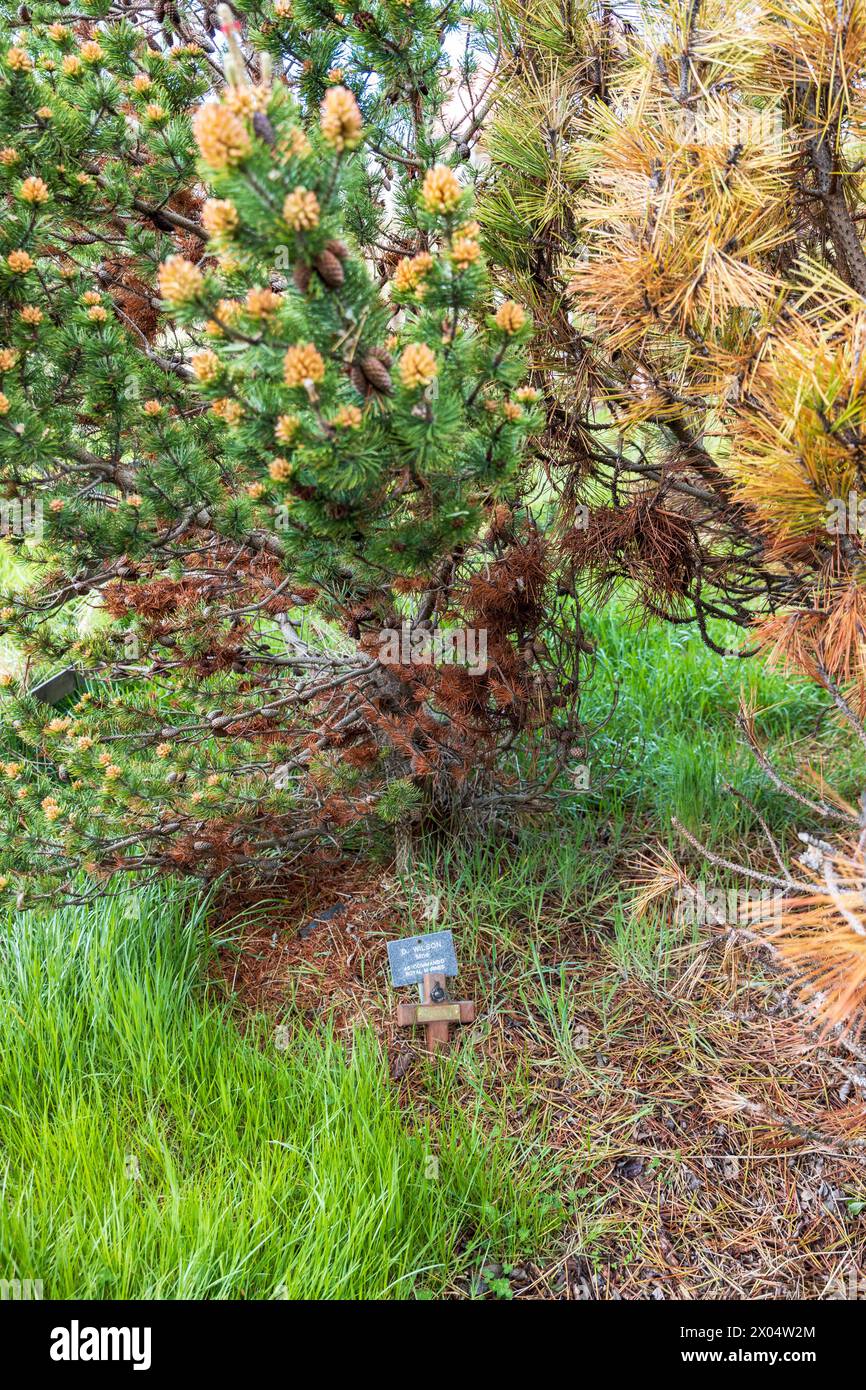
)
(691, 184)
(678, 193)
(257, 388)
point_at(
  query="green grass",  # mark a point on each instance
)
(673, 734)
(149, 1150)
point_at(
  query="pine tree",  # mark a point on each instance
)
(678, 195)
(691, 184)
(260, 397)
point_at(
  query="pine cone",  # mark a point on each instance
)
(264, 129)
(330, 269)
(377, 374)
(382, 355)
(302, 274)
(338, 249)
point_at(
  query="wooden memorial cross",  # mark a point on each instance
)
(436, 1011)
(427, 960)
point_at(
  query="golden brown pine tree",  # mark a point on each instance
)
(691, 185)
(690, 178)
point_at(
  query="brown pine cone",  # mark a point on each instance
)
(358, 380)
(302, 274)
(338, 249)
(382, 355)
(330, 269)
(377, 374)
(263, 128)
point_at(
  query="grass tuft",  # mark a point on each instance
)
(150, 1151)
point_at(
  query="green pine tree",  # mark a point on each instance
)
(262, 404)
